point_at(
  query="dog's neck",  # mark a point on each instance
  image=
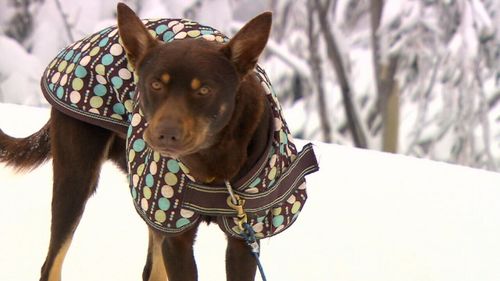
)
(240, 144)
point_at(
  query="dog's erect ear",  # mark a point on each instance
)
(135, 37)
(246, 46)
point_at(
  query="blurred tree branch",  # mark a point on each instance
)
(317, 73)
(335, 58)
(67, 25)
(387, 86)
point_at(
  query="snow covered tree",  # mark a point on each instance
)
(419, 77)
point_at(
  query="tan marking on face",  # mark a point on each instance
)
(222, 109)
(165, 77)
(195, 84)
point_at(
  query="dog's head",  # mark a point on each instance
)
(189, 87)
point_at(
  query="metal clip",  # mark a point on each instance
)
(238, 207)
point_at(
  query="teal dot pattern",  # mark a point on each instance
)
(93, 81)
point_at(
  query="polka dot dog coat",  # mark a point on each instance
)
(92, 81)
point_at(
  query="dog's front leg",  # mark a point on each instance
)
(155, 266)
(240, 264)
(178, 256)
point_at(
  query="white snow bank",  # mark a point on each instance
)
(370, 216)
(20, 74)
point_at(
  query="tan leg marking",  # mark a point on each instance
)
(55, 270)
(158, 270)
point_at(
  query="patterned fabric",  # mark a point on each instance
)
(92, 81)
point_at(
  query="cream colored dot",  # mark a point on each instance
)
(278, 124)
(178, 27)
(135, 179)
(186, 213)
(144, 204)
(77, 45)
(280, 228)
(167, 191)
(209, 37)
(101, 80)
(64, 80)
(55, 77)
(180, 35)
(172, 23)
(136, 119)
(258, 227)
(272, 161)
(85, 60)
(124, 74)
(116, 49)
(153, 168)
(252, 190)
(86, 47)
(75, 97)
(113, 33)
(302, 186)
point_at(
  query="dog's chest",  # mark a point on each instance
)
(92, 81)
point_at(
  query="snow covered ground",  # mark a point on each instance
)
(370, 216)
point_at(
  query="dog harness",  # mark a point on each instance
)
(92, 81)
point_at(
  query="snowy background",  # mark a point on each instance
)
(429, 88)
(420, 77)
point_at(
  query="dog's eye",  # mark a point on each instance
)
(203, 91)
(156, 85)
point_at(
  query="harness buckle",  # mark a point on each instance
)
(238, 207)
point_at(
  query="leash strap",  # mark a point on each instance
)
(253, 243)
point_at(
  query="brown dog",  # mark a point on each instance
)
(204, 106)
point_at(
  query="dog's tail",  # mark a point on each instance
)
(25, 154)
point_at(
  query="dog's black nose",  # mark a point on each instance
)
(169, 135)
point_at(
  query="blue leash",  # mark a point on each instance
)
(235, 202)
(249, 235)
